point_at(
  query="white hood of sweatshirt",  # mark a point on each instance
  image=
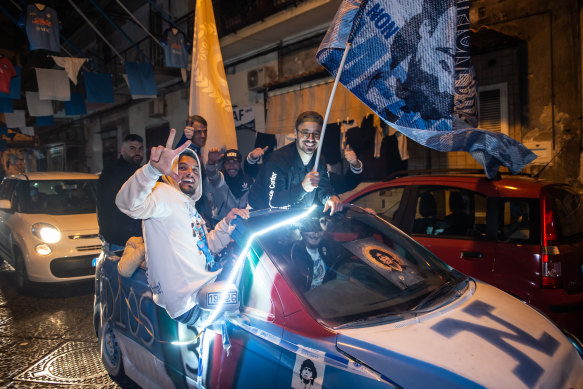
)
(167, 179)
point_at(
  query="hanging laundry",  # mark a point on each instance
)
(6, 105)
(7, 71)
(53, 84)
(175, 48)
(44, 121)
(331, 144)
(140, 77)
(15, 119)
(99, 87)
(71, 66)
(36, 106)
(76, 106)
(42, 27)
(29, 130)
(14, 93)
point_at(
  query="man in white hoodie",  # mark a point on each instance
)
(178, 247)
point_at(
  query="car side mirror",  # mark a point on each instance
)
(5, 204)
(218, 296)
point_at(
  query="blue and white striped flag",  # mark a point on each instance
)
(409, 62)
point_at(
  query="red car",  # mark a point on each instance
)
(521, 234)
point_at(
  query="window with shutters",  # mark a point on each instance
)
(493, 107)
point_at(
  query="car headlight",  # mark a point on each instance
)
(42, 249)
(46, 232)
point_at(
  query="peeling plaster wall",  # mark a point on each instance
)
(550, 107)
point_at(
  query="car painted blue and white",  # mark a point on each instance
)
(365, 324)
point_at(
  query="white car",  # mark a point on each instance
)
(48, 226)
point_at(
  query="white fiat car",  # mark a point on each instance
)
(48, 226)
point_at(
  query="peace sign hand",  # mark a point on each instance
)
(161, 157)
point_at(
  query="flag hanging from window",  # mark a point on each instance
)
(409, 62)
(209, 93)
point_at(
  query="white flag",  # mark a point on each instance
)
(209, 93)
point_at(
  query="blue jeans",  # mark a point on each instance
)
(112, 249)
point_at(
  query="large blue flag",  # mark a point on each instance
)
(409, 62)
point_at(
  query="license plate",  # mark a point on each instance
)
(214, 298)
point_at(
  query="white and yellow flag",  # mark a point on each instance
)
(209, 93)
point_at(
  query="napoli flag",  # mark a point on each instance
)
(409, 62)
(209, 92)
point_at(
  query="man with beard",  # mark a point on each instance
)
(179, 250)
(287, 178)
(229, 187)
(115, 228)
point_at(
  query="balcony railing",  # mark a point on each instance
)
(230, 16)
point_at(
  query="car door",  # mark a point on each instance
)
(6, 192)
(253, 357)
(453, 223)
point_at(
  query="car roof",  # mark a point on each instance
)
(54, 175)
(507, 186)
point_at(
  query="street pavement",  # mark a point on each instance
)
(47, 338)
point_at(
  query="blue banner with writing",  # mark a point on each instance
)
(409, 62)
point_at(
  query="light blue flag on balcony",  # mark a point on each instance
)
(409, 62)
(141, 82)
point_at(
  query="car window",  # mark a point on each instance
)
(58, 197)
(519, 221)
(567, 211)
(385, 202)
(255, 286)
(354, 266)
(6, 189)
(450, 211)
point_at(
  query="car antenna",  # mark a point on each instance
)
(548, 163)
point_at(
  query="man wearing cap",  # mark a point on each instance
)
(227, 188)
(287, 178)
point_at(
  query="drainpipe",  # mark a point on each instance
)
(580, 91)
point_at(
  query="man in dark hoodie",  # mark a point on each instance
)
(227, 188)
(115, 228)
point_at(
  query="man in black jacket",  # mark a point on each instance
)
(115, 227)
(287, 178)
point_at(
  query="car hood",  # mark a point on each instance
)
(490, 339)
(69, 223)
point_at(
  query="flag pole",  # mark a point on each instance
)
(340, 67)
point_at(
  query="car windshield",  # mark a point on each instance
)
(354, 268)
(56, 197)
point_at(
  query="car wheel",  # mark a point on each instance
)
(22, 282)
(111, 353)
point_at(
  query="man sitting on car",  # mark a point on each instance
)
(179, 250)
